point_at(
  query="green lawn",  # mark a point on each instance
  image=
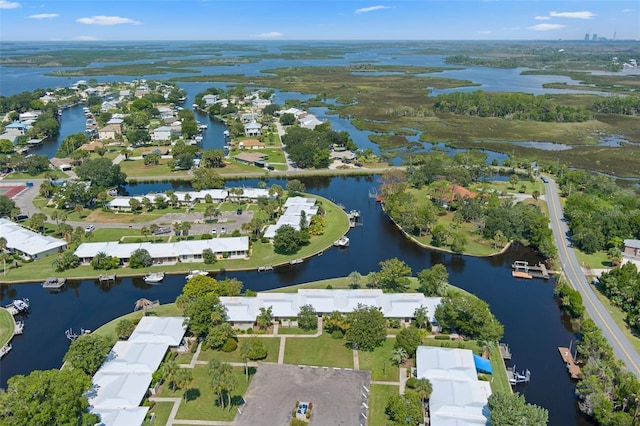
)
(379, 362)
(201, 403)
(321, 351)
(499, 381)
(7, 327)
(378, 398)
(57, 174)
(272, 344)
(333, 282)
(597, 260)
(295, 330)
(162, 411)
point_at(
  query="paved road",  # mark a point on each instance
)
(596, 310)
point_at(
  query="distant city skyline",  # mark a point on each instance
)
(131, 20)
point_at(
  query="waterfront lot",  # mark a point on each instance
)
(336, 395)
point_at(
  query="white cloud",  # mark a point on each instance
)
(627, 10)
(546, 27)
(370, 9)
(542, 18)
(85, 38)
(44, 16)
(106, 20)
(272, 34)
(573, 15)
(4, 4)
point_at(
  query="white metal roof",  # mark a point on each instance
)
(118, 390)
(445, 363)
(121, 417)
(26, 241)
(159, 329)
(134, 357)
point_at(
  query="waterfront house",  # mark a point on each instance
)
(243, 311)
(458, 396)
(249, 117)
(309, 121)
(168, 253)
(163, 133)
(16, 129)
(250, 158)
(253, 128)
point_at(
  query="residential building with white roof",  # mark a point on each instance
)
(29, 243)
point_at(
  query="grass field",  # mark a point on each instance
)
(320, 351)
(379, 362)
(162, 411)
(272, 344)
(7, 327)
(378, 398)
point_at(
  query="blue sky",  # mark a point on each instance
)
(317, 20)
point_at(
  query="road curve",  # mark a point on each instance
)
(622, 348)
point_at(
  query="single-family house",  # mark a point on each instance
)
(250, 158)
(260, 103)
(253, 128)
(249, 117)
(110, 131)
(29, 116)
(251, 144)
(210, 99)
(163, 133)
(16, 129)
(309, 121)
(108, 106)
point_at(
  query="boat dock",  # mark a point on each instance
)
(522, 269)
(572, 367)
(102, 278)
(505, 351)
(19, 329)
(516, 378)
(296, 261)
(265, 268)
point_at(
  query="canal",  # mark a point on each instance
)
(533, 322)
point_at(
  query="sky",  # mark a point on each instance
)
(117, 20)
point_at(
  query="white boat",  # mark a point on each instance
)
(354, 213)
(342, 242)
(153, 277)
(5, 350)
(202, 126)
(22, 305)
(197, 138)
(195, 273)
(226, 133)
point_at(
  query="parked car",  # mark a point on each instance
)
(214, 231)
(20, 217)
(162, 230)
(544, 179)
(239, 211)
(89, 228)
(223, 230)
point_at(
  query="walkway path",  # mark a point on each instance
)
(622, 348)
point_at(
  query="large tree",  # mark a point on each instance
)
(405, 409)
(88, 352)
(206, 178)
(393, 275)
(507, 409)
(101, 173)
(434, 281)
(367, 327)
(47, 398)
(307, 318)
(470, 316)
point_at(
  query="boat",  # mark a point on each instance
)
(21, 305)
(226, 133)
(202, 126)
(342, 242)
(71, 335)
(153, 277)
(195, 273)
(53, 283)
(355, 213)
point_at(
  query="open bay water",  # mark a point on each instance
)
(533, 323)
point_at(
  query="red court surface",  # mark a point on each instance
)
(11, 191)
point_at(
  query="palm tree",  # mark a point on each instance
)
(423, 389)
(145, 232)
(486, 346)
(245, 349)
(142, 304)
(399, 356)
(169, 369)
(182, 377)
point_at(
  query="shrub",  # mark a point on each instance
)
(338, 334)
(250, 331)
(412, 383)
(194, 346)
(329, 287)
(208, 256)
(442, 337)
(124, 328)
(230, 345)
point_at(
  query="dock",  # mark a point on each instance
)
(516, 378)
(19, 328)
(522, 269)
(265, 268)
(505, 351)
(572, 367)
(102, 278)
(296, 261)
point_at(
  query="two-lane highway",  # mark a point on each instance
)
(572, 271)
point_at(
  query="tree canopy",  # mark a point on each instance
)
(470, 316)
(101, 172)
(508, 409)
(366, 327)
(88, 352)
(47, 397)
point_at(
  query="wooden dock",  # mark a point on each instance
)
(505, 351)
(102, 278)
(572, 367)
(522, 269)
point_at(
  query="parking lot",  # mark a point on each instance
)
(337, 395)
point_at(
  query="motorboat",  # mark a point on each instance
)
(153, 277)
(354, 213)
(195, 273)
(22, 305)
(53, 283)
(342, 242)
